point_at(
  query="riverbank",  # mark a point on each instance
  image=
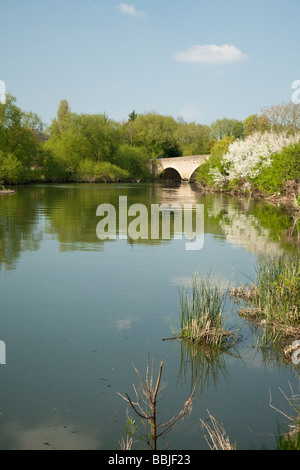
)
(286, 199)
(6, 192)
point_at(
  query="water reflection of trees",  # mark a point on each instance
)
(20, 229)
(256, 226)
(72, 216)
(69, 214)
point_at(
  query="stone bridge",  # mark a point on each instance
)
(182, 168)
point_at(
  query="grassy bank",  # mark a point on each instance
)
(273, 300)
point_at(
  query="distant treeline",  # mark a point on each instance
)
(95, 148)
(84, 147)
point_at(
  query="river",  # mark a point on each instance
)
(76, 312)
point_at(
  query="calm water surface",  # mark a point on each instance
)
(76, 312)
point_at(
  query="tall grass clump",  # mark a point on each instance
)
(202, 319)
(275, 297)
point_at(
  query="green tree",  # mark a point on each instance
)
(63, 118)
(194, 139)
(132, 116)
(11, 169)
(255, 123)
(157, 134)
(78, 137)
(163, 136)
(220, 148)
(20, 143)
(135, 160)
(227, 127)
(129, 126)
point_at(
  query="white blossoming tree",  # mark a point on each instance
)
(246, 158)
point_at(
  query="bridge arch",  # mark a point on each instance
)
(180, 168)
(194, 174)
(170, 174)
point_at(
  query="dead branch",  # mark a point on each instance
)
(149, 394)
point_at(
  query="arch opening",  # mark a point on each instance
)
(194, 174)
(170, 174)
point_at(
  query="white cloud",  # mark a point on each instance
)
(190, 113)
(211, 54)
(130, 10)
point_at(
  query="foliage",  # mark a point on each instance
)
(132, 116)
(11, 169)
(206, 172)
(75, 137)
(194, 139)
(255, 123)
(80, 146)
(248, 157)
(163, 136)
(220, 148)
(90, 147)
(227, 127)
(134, 160)
(283, 167)
(157, 134)
(90, 171)
(20, 142)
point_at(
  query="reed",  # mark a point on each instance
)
(217, 438)
(289, 439)
(275, 297)
(202, 320)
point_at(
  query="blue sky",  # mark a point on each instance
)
(199, 59)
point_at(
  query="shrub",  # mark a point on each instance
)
(247, 158)
(215, 165)
(208, 171)
(11, 169)
(99, 172)
(134, 160)
(283, 167)
(221, 147)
